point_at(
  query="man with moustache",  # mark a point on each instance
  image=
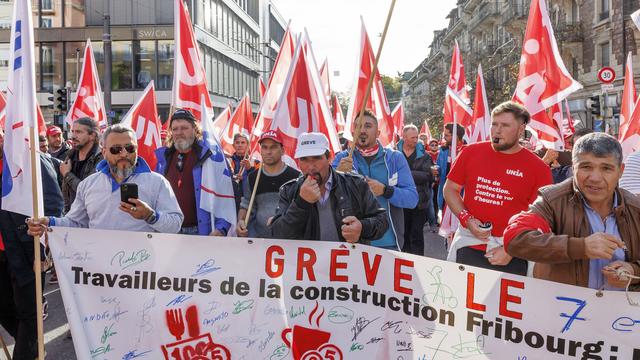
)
(98, 205)
(274, 174)
(325, 204)
(181, 163)
(494, 193)
(80, 161)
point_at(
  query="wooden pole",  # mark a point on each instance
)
(37, 267)
(253, 196)
(367, 94)
(4, 347)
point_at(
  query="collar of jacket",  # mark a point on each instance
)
(578, 198)
(420, 151)
(140, 168)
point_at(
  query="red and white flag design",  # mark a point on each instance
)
(3, 109)
(324, 78)
(480, 127)
(189, 77)
(568, 125)
(629, 97)
(143, 118)
(543, 79)
(276, 83)
(425, 130)
(398, 119)
(630, 139)
(456, 100)
(240, 122)
(88, 101)
(338, 116)
(220, 123)
(302, 106)
(557, 118)
(377, 101)
(262, 88)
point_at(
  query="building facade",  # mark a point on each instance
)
(236, 39)
(590, 34)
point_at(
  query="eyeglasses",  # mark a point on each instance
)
(117, 149)
(180, 162)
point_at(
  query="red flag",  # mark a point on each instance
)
(189, 77)
(629, 96)
(480, 127)
(398, 119)
(378, 98)
(302, 106)
(263, 88)
(222, 121)
(143, 118)
(88, 101)
(240, 122)
(556, 117)
(324, 78)
(630, 140)
(3, 109)
(456, 100)
(276, 81)
(42, 127)
(543, 79)
(338, 116)
(568, 126)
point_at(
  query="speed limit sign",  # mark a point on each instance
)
(606, 75)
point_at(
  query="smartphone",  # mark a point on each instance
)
(128, 191)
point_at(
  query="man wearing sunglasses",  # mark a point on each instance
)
(98, 205)
(181, 163)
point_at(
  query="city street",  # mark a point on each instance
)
(60, 347)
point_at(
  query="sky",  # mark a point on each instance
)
(334, 30)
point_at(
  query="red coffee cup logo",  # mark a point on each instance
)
(310, 344)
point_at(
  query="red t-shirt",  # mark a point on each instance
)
(496, 185)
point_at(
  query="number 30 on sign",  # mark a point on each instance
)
(606, 75)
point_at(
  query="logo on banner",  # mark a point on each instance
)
(195, 345)
(309, 343)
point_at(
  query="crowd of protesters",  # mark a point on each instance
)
(575, 214)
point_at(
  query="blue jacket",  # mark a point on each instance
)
(390, 168)
(164, 155)
(442, 161)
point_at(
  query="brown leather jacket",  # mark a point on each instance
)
(560, 255)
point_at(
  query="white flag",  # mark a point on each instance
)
(21, 117)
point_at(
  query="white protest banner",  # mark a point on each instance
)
(159, 296)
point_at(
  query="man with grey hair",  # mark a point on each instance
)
(584, 231)
(98, 204)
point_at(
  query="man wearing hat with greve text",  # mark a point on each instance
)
(324, 204)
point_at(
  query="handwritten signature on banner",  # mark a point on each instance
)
(124, 260)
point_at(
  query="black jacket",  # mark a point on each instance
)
(18, 244)
(421, 172)
(350, 196)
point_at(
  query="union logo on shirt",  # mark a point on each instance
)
(516, 172)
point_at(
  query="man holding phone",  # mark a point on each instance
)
(325, 204)
(151, 205)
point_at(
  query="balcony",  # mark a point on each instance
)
(569, 32)
(487, 11)
(514, 10)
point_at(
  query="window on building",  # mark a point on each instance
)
(604, 54)
(74, 13)
(199, 12)
(604, 9)
(47, 4)
(122, 69)
(165, 64)
(73, 55)
(144, 62)
(144, 12)
(164, 11)
(46, 22)
(51, 66)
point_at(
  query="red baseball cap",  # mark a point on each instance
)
(53, 130)
(271, 134)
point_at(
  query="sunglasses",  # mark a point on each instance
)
(117, 149)
(180, 162)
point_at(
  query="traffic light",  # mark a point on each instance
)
(51, 99)
(61, 100)
(595, 105)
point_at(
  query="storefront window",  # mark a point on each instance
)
(122, 69)
(51, 55)
(165, 64)
(73, 52)
(144, 63)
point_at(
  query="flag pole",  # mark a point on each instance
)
(4, 347)
(37, 266)
(253, 195)
(371, 77)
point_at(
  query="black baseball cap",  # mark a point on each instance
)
(182, 114)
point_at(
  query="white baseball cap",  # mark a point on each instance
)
(311, 144)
